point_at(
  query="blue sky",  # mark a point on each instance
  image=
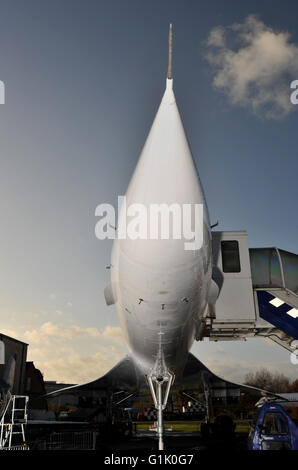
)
(83, 82)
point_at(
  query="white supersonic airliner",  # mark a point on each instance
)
(165, 293)
(161, 289)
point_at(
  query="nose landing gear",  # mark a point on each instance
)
(160, 400)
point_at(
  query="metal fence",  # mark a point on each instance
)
(20, 447)
(85, 440)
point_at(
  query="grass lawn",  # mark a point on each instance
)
(194, 426)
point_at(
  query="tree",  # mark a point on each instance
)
(294, 386)
(266, 380)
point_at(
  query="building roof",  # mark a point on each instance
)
(3, 336)
(290, 396)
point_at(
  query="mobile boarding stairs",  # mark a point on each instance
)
(258, 292)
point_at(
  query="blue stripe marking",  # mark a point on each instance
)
(277, 316)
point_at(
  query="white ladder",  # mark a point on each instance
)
(13, 419)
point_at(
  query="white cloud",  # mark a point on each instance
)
(113, 333)
(69, 366)
(74, 354)
(254, 66)
(47, 331)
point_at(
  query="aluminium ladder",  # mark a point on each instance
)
(14, 420)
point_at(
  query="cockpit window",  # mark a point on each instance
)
(275, 423)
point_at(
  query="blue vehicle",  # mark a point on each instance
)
(273, 430)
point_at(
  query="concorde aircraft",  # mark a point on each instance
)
(162, 291)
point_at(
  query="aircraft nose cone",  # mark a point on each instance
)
(165, 175)
(165, 172)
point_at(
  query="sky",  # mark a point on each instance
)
(83, 81)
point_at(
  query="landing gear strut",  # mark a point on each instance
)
(206, 427)
(208, 403)
(160, 402)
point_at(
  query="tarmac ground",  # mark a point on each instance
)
(175, 442)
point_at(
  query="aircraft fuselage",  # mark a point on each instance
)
(161, 288)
